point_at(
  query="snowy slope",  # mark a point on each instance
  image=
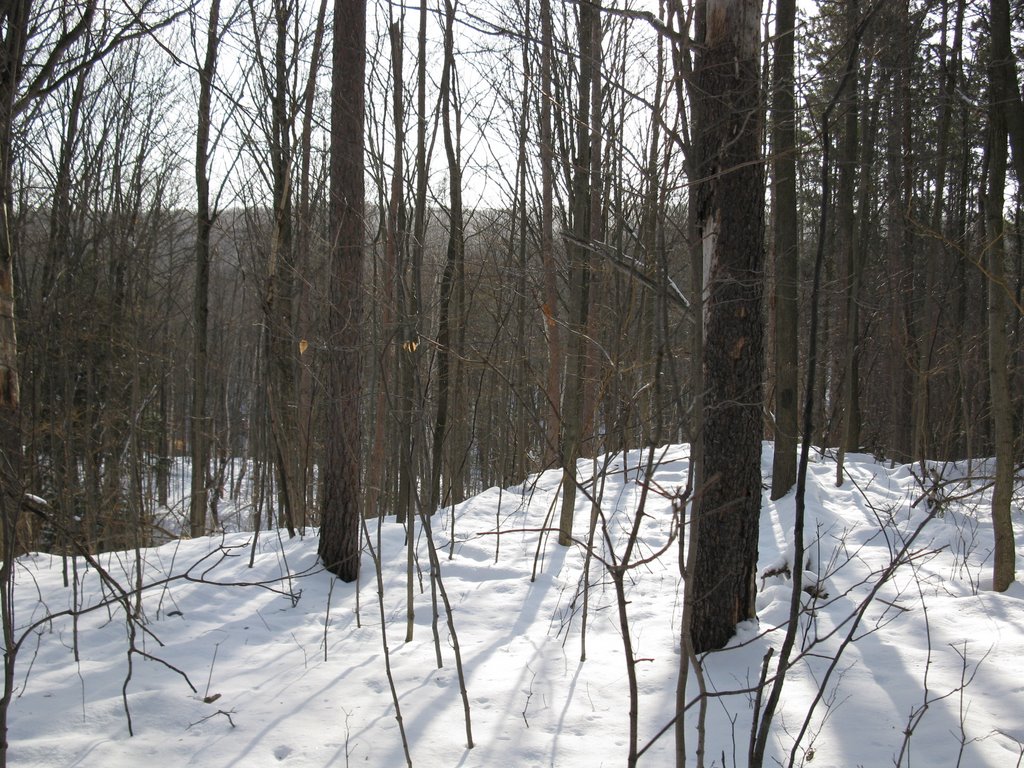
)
(288, 665)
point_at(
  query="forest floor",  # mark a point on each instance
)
(279, 664)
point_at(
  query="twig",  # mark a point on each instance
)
(375, 556)
(218, 712)
(759, 744)
(327, 614)
(529, 695)
(213, 661)
(435, 566)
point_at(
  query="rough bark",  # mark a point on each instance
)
(730, 212)
(340, 514)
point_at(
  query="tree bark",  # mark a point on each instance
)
(14, 34)
(452, 275)
(730, 212)
(411, 306)
(303, 242)
(200, 442)
(848, 434)
(583, 189)
(786, 241)
(998, 358)
(405, 336)
(340, 514)
(900, 278)
(553, 333)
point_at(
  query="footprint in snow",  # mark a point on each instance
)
(282, 751)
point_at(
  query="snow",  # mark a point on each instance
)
(289, 669)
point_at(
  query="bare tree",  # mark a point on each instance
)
(848, 405)
(451, 321)
(730, 213)
(276, 77)
(309, 190)
(586, 191)
(1002, 408)
(201, 308)
(16, 26)
(340, 515)
(785, 241)
(553, 333)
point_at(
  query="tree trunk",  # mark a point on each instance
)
(451, 276)
(900, 278)
(786, 242)
(303, 242)
(585, 186)
(413, 403)
(515, 451)
(998, 358)
(730, 213)
(340, 514)
(13, 40)
(848, 432)
(200, 442)
(280, 291)
(553, 332)
(405, 337)
(388, 397)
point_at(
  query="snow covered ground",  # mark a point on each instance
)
(279, 664)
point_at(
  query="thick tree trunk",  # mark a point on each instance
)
(730, 211)
(340, 515)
